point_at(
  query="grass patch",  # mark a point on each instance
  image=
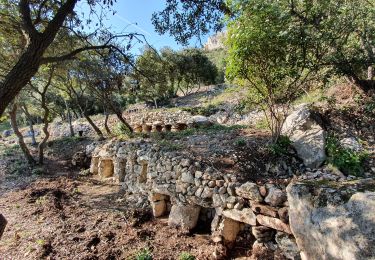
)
(143, 254)
(281, 146)
(4, 126)
(313, 96)
(346, 160)
(204, 111)
(210, 130)
(65, 141)
(186, 256)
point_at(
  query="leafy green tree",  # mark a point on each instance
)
(340, 35)
(187, 19)
(33, 30)
(267, 55)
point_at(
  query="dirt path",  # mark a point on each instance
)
(81, 218)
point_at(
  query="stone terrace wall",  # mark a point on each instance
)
(188, 190)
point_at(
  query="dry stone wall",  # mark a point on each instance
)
(188, 191)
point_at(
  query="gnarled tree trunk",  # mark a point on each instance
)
(31, 124)
(21, 141)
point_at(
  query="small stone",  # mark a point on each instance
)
(207, 193)
(187, 177)
(198, 174)
(199, 192)
(185, 162)
(211, 184)
(220, 183)
(263, 191)
(231, 199)
(275, 197)
(230, 205)
(222, 190)
(238, 206)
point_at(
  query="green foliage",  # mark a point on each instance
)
(369, 106)
(266, 56)
(261, 124)
(281, 146)
(346, 160)
(185, 20)
(204, 111)
(38, 171)
(121, 129)
(143, 254)
(160, 75)
(169, 145)
(240, 142)
(186, 256)
(209, 130)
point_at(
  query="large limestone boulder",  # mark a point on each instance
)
(307, 136)
(184, 216)
(333, 223)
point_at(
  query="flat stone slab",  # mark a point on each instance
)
(245, 215)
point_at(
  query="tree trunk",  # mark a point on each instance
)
(3, 223)
(96, 129)
(43, 143)
(69, 117)
(21, 142)
(29, 62)
(122, 120)
(370, 72)
(106, 124)
(156, 103)
(31, 124)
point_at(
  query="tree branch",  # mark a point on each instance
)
(27, 23)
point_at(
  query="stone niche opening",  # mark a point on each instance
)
(206, 216)
(146, 128)
(105, 167)
(161, 204)
(167, 128)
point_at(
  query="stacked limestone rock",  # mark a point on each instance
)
(182, 187)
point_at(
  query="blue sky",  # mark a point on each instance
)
(135, 16)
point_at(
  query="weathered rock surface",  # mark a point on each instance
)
(327, 224)
(245, 215)
(275, 197)
(249, 191)
(184, 216)
(307, 136)
(288, 245)
(274, 223)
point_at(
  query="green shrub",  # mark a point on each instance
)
(281, 146)
(122, 129)
(240, 142)
(186, 256)
(143, 254)
(346, 160)
(204, 111)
